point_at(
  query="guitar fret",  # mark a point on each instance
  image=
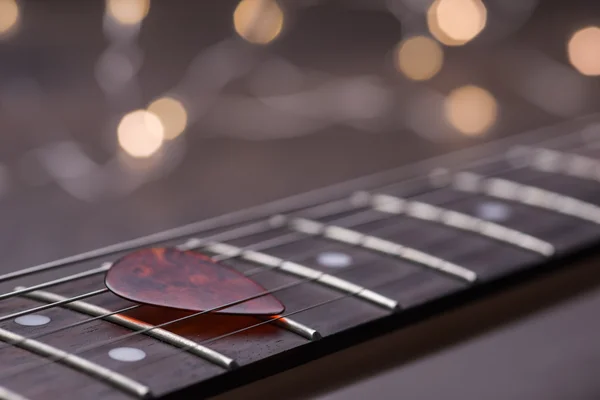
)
(532, 196)
(302, 271)
(136, 325)
(295, 327)
(77, 363)
(7, 394)
(554, 161)
(428, 212)
(144, 241)
(349, 236)
(230, 251)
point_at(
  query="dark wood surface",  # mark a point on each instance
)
(346, 316)
(535, 341)
(220, 173)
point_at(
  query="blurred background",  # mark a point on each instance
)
(126, 117)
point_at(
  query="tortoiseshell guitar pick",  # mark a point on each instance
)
(187, 280)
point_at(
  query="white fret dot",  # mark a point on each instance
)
(334, 259)
(127, 354)
(32, 320)
(493, 211)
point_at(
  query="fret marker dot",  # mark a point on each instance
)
(493, 211)
(127, 354)
(334, 259)
(32, 320)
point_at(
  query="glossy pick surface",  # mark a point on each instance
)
(187, 280)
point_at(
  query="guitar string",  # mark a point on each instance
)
(181, 350)
(211, 340)
(52, 305)
(200, 226)
(193, 315)
(265, 226)
(264, 245)
(248, 273)
(283, 239)
(261, 227)
(89, 295)
(259, 269)
(98, 345)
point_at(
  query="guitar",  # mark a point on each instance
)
(347, 263)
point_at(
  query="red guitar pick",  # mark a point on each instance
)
(187, 280)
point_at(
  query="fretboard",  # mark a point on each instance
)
(348, 263)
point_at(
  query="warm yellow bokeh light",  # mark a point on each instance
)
(258, 21)
(471, 110)
(140, 133)
(584, 50)
(9, 16)
(419, 58)
(172, 115)
(128, 12)
(456, 22)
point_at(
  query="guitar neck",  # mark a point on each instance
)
(348, 263)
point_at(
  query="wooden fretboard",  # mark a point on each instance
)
(348, 263)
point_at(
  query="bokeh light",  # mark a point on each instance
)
(128, 12)
(172, 115)
(258, 21)
(419, 58)
(9, 16)
(140, 133)
(456, 22)
(584, 50)
(471, 110)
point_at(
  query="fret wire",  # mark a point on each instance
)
(76, 363)
(140, 332)
(273, 242)
(273, 263)
(135, 324)
(278, 240)
(195, 242)
(352, 237)
(200, 226)
(284, 239)
(267, 244)
(51, 305)
(436, 214)
(165, 239)
(294, 326)
(111, 341)
(363, 198)
(530, 195)
(307, 308)
(88, 348)
(170, 338)
(251, 272)
(113, 249)
(79, 323)
(7, 394)
(480, 163)
(287, 314)
(569, 163)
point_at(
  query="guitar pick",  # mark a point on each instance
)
(187, 280)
